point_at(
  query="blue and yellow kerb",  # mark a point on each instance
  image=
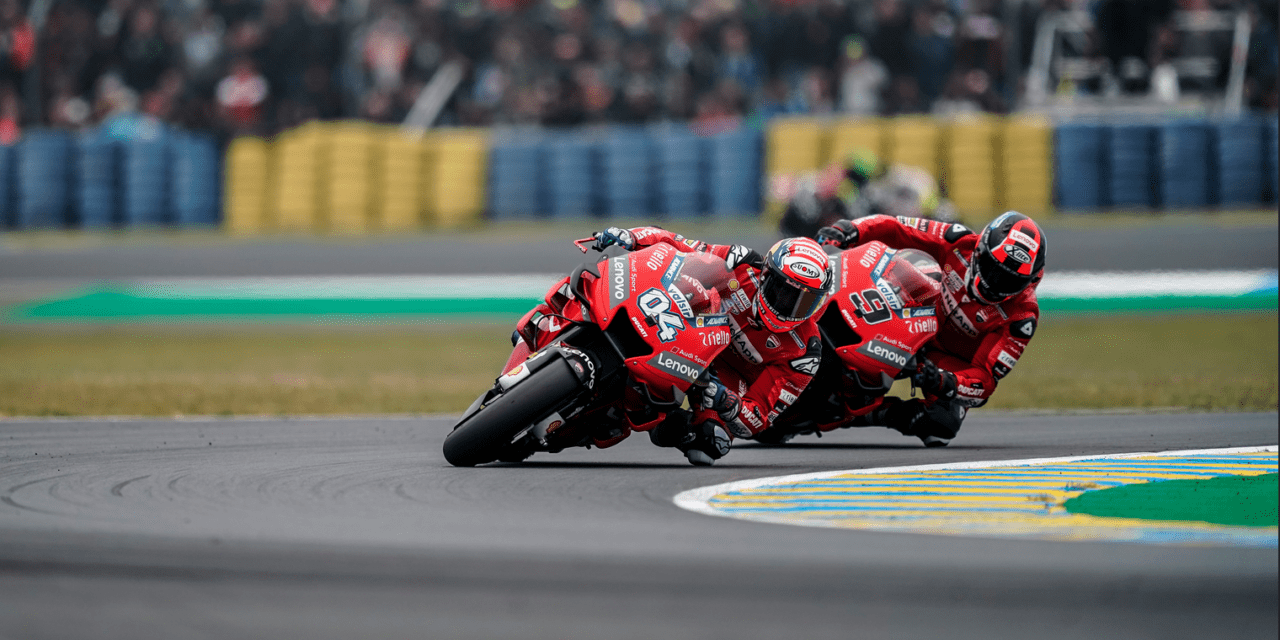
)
(1013, 498)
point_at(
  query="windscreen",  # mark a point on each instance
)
(705, 282)
(915, 277)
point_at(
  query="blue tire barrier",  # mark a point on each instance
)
(146, 181)
(44, 179)
(627, 160)
(515, 177)
(571, 185)
(8, 195)
(195, 179)
(98, 183)
(1185, 157)
(1079, 166)
(682, 173)
(735, 172)
(1238, 148)
(1271, 145)
(1130, 166)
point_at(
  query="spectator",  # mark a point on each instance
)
(144, 53)
(242, 95)
(862, 81)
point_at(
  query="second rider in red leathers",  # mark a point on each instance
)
(989, 304)
(775, 348)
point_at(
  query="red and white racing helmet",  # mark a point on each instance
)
(795, 284)
(1009, 258)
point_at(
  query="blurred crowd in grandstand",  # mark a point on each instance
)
(264, 65)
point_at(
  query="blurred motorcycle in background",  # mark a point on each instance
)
(861, 186)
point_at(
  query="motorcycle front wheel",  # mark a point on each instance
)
(482, 437)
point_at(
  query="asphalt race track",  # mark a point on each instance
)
(346, 528)
(1186, 245)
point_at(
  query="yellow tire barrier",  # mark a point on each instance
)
(246, 186)
(355, 177)
(456, 176)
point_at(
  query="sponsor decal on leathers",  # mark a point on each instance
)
(807, 365)
(771, 342)
(742, 345)
(1006, 359)
(1023, 328)
(888, 354)
(618, 279)
(675, 365)
(955, 232)
(956, 316)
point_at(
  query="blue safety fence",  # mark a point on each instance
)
(572, 169)
(626, 171)
(52, 178)
(44, 179)
(98, 187)
(735, 174)
(682, 173)
(8, 195)
(1271, 147)
(1186, 165)
(627, 157)
(196, 180)
(516, 180)
(1238, 148)
(1130, 172)
(1080, 165)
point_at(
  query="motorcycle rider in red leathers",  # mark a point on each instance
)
(775, 346)
(989, 304)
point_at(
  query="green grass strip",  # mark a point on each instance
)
(1242, 501)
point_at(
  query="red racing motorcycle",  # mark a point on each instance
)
(877, 319)
(651, 321)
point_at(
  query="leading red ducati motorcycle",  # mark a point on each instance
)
(652, 320)
(879, 316)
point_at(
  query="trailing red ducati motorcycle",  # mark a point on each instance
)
(651, 321)
(879, 316)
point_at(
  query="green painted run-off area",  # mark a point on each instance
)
(121, 305)
(1243, 501)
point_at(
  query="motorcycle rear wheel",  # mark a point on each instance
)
(485, 435)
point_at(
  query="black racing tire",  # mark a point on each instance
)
(484, 436)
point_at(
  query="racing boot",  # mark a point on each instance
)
(702, 444)
(935, 424)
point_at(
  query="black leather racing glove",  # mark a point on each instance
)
(740, 254)
(722, 400)
(939, 382)
(842, 234)
(613, 236)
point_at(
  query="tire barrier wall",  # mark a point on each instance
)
(624, 171)
(355, 177)
(53, 179)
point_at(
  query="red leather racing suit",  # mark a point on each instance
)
(979, 343)
(767, 370)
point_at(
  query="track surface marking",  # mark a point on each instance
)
(344, 528)
(1011, 498)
